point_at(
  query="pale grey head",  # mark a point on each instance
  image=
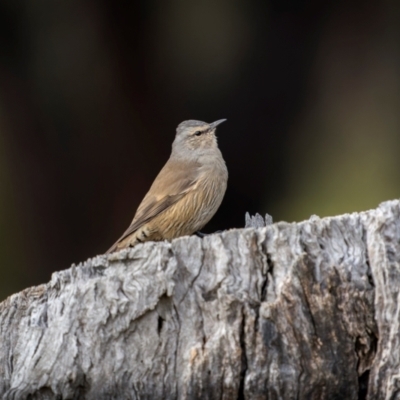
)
(194, 138)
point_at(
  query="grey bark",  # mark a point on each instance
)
(304, 310)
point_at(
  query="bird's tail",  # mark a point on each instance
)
(112, 248)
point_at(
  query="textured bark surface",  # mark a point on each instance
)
(304, 310)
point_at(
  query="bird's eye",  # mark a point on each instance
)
(198, 133)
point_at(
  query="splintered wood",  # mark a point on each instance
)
(304, 310)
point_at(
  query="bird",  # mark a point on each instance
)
(186, 193)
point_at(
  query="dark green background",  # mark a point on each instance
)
(91, 93)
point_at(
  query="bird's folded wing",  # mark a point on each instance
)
(173, 182)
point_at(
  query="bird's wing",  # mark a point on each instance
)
(172, 183)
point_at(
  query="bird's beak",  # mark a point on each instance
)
(216, 123)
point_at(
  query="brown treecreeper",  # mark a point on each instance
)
(186, 193)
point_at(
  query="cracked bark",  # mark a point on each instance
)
(306, 310)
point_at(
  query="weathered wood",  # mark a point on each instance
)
(305, 310)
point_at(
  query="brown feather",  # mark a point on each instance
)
(172, 183)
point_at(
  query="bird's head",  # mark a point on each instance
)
(195, 137)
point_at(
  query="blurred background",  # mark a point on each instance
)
(91, 93)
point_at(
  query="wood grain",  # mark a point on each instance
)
(304, 310)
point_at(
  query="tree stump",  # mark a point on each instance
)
(304, 310)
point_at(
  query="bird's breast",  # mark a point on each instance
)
(212, 186)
